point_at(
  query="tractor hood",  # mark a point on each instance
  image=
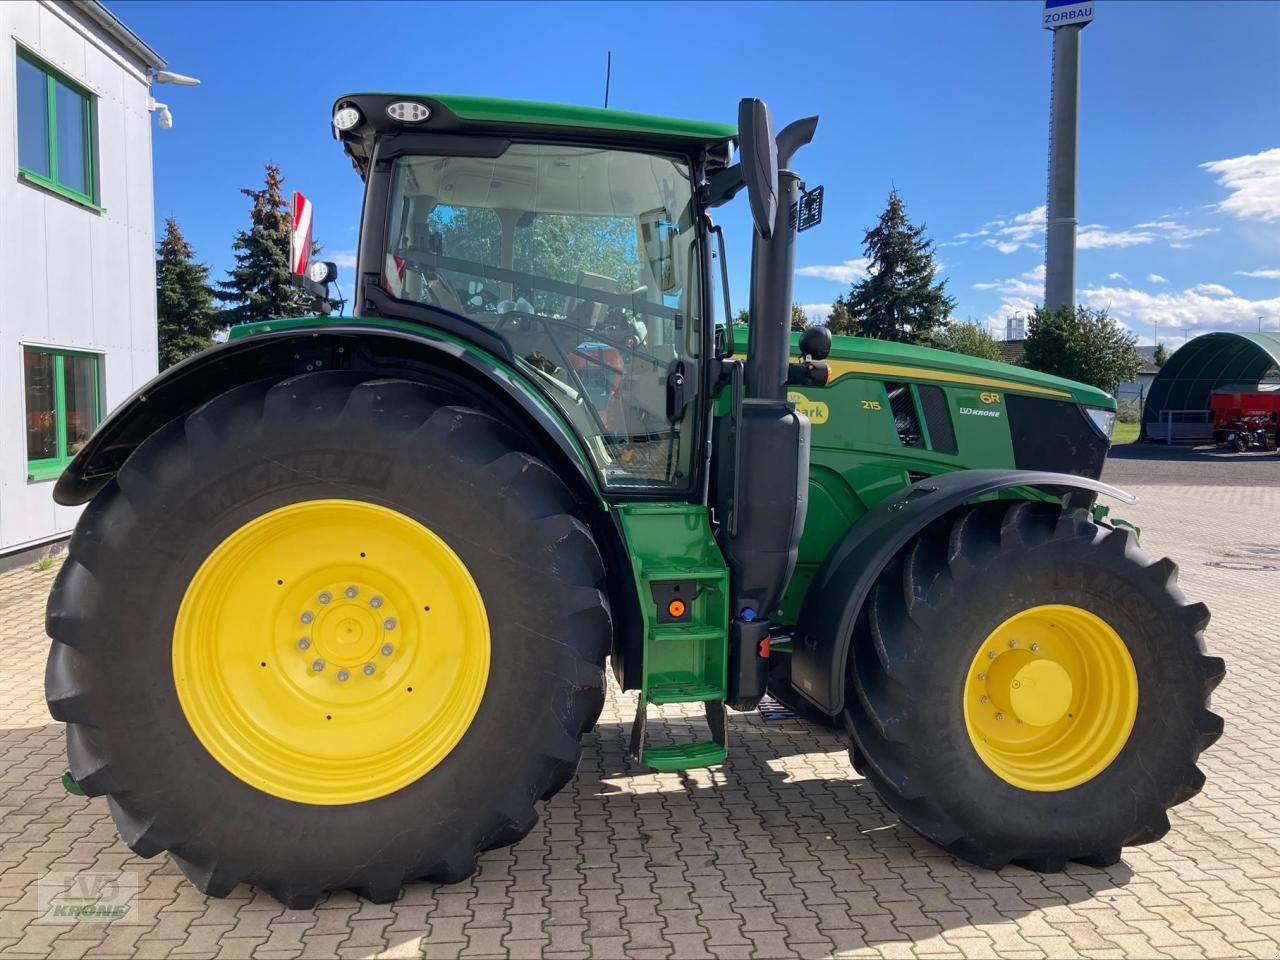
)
(864, 355)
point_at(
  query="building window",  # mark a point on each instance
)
(63, 394)
(57, 132)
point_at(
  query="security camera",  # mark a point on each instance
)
(164, 116)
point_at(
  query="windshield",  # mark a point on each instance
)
(585, 260)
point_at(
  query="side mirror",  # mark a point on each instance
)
(815, 343)
(758, 154)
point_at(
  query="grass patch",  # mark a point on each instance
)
(1124, 433)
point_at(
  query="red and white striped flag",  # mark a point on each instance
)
(300, 239)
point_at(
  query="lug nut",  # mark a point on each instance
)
(1035, 648)
(351, 591)
(1012, 644)
(304, 643)
(991, 654)
(982, 676)
(317, 665)
(343, 675)
(387, 649)
(389, 623)
(983, 699)
(307, 616)
(368, 669)
(375, 602)
(999, 715)
(325, 597)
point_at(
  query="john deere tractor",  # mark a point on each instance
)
(338, 609)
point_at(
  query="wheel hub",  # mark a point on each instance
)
(1051, 697)
(351, 626)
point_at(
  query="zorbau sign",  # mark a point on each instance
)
(1067, 13)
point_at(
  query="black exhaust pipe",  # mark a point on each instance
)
(772, 263)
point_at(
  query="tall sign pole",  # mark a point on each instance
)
(1066, 18)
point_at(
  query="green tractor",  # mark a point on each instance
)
(339, 607)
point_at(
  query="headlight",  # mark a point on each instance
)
(344, 118)
(406, 111)
(1103, 420)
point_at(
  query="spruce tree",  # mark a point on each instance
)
(186, 316)
(799, 319)
(260, 286)
(839, 320)
(898, 299)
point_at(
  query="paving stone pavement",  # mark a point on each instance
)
(783, 852)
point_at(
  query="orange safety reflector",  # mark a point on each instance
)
(764, 648)
(676, 608)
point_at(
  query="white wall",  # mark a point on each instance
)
(70, 277)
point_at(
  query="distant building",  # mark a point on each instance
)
(1138, 388)
(77, 245)
(1013, 351)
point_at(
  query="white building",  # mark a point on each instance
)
(77, 246)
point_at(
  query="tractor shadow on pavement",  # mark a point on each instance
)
(788, 816)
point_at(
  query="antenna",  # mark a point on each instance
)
(608, 72)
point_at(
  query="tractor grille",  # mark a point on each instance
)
(1054, 435)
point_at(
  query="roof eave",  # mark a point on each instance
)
(110, 24)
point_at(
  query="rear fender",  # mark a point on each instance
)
(840, 587)
(296, 349)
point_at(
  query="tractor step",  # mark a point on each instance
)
(682, 584)
(682, 756)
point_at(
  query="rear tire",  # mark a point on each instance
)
(922, 633)
(412, 451)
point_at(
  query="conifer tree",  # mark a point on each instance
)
(898, 299)
(186, 316)
(260, 286)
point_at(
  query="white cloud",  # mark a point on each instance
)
(816, 312)
(1018, 297)
(1199, 309)
(1267, 273)
(844, 272)
(1205, 307)
(1174, 231)
(1026, 231)
(1151, 278)
(1254, 184)
(343, 258)
(1023, 230)
(1096, 236)
(1118, 276)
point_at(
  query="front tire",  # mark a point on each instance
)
(332, 632)
(1027, 685)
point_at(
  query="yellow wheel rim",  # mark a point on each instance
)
(1050, 698)
(331, 651)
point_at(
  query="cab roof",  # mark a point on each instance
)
(495, 116)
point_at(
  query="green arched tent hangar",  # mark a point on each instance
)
(1177, 407)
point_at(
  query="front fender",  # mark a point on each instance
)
(287, 348)
(840, 587)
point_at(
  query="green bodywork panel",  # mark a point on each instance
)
(856, 456)
(431, 334)
(505, 113)
(686, 662)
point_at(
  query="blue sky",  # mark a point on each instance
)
(1179, 143)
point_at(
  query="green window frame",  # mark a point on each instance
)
(54, 179)
(64, 447)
